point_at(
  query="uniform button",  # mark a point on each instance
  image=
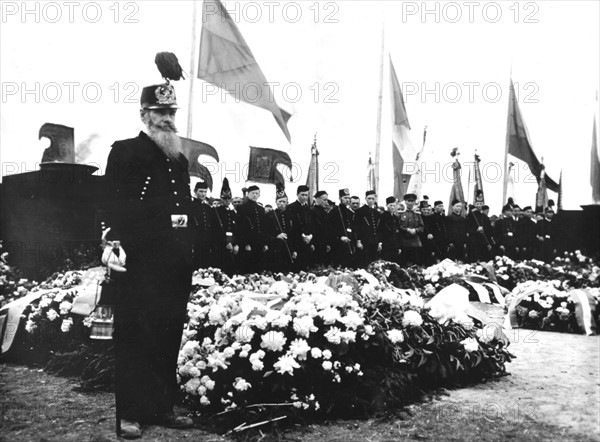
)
(177, 204)
(143, 192)
(173, 181)
(174, 193)
(170, 170)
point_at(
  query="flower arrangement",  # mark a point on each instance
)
(12, 285)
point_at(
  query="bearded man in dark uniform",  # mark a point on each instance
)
(149, 212)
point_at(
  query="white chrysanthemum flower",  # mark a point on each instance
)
(299, 348)
(273, 341)
(395, 336)
(412, 318)
(30, 326)
(65, 307)
(352, 320)
(51, 314)
(192, 385)
(327, 365)
(228, 352)
(241, 384)
(348, 336)
(333, 335)
(45, 302)
(204, 401)
(470, 344)
(286, 364)
(304, 326)
(330, 315)
(327, 354)
(316, 352)
(190, 348)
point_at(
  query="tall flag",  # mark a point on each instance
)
(478, 191)
(415, 184)
(227, 62)
(457, 193)
(262, 166)
(541, 198)
(312, 181)
(402, 146)
(595, 162)
(192, 150)
(518, 143)
(371, 180)
(510, 185)
(559, 205)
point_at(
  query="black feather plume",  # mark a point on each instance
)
(168, 66)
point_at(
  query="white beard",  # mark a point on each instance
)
(168, 141)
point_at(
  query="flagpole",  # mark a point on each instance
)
(506, 171)
(192, 73)
(379, 107)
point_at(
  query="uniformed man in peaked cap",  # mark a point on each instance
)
(505, 233)
(411, 225)
(302, 219)
(227, 218)
(322, 239)
(207, 247)
(341, 226)
(282, 251)
(389, 230)
(366, 221)
(254, 239)
(149, 211)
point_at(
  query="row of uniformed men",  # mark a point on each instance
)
(243, 238)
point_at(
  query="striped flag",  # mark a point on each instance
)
(402, 146)
(227, 62)
(595, 162)
(541, 198)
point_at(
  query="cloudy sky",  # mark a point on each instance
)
(83, 64)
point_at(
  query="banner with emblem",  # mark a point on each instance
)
(192, 150)
(262, 166)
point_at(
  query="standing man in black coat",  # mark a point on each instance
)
(389, 231)
(456, 228)
(207, 244)
(322, 239)
(411, 227)
(437, 230)
(254, 239)
(227, 218)
(343, 238)
(546, 248)
(149, 211)
(479, 246)
(282, 251)
(505, 233)
(367, 229)
(302, 220)
(526, 233)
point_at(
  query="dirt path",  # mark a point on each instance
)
(553, 393)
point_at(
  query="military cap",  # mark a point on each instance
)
(344, 192)
(200, 185)
(320, 193)
(302, 188)
(390, 200)
(410, 197)
(253, 188)
(369, 193)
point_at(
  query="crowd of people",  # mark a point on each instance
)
(240, 235)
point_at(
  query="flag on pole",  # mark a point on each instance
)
(415, 183)
(371, 182)
(192, 150)
(312, 181)
(560, 194)
(227, 62)
(457, 193)
(262, 166)
(595, 162)
(402, 146)
(541, 198)
(518, 142)
(478, 191)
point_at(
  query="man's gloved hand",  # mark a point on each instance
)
(113, 255)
